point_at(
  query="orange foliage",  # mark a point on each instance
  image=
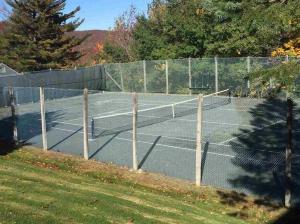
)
(291, 48)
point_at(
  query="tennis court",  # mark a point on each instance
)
(166, 136)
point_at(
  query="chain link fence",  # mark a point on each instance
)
(243, 140)
(189, 75)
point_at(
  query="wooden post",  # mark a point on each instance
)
(167, 77)
(85, 125)
(190, 77)
(288, 156)
(216, 75)
(13, 115)
(43, 119)
(134, 132)
(145, 76)
(121, 74)
(199, 141)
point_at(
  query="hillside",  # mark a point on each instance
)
(88, 46)
(2, 25)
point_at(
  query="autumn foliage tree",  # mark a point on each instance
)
(119, 45)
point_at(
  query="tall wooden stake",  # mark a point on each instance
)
(134, 132)
(43, 119)
(199, 141)
(288, 158)
(13, 114)
(85, 125)
(190, 77)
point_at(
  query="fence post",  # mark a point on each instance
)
(13, 114)
(145, 76)
(288, 155)
(167, 77)
(121, 74)
(190, 77)
(248, 70)
(134, 132)
(85, 125)
(216, 75)
(199, 141)
(287, 58)
(43, 118)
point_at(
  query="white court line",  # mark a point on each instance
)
(188, 149)
(259, 128)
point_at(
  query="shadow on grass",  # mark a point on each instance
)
(259, 152)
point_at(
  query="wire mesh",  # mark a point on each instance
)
(156, 76)
(232, 73)
(203, 75)
(178, 76)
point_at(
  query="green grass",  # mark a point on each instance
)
(37, 187)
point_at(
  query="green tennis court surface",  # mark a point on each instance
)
(236, 135)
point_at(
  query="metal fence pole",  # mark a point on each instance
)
(216, 75)
(85, 125)
(287, 58)
(288, 156)
(190, 77)
(13, 114)
(167, 77)
(199, 141)
(121, 74)
(134, 132)
(43, 119)
(145, 76)
(248, 70)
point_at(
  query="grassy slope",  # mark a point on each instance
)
(38, 187)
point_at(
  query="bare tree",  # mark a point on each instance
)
(122, 34)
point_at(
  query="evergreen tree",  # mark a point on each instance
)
(37, 35)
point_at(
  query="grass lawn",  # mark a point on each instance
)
(37, 187)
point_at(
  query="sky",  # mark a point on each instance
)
(101, 14)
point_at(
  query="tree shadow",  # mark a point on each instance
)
(28, 126)
(292, 216)
(259, 150)
(149, 152)
(103, 146)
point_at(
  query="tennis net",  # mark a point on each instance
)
(116, 123)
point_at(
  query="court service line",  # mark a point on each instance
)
(259, 128)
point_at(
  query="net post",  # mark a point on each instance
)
(121, 75)
(13, 114)
(134, 131)
(216, 75)
(85, 125)
(199, 141)
(93, 128)
(173, 111)
(43, 119)
(288, 155)
(167, 77)
(145, 76)
(190, 77)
